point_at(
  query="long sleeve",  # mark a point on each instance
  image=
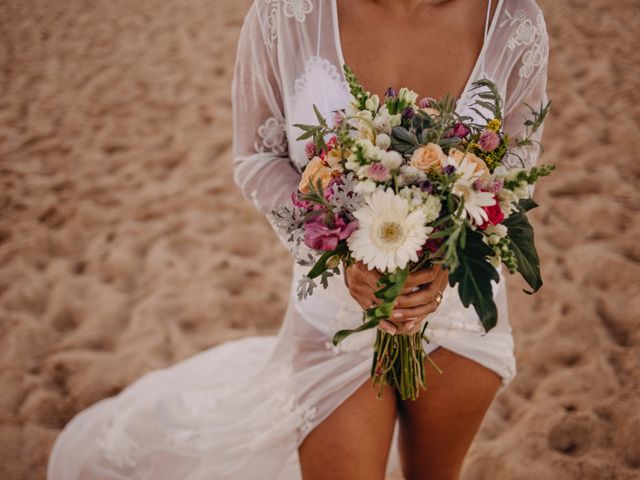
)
(261, 164)
(527, 85)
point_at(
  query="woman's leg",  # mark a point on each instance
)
(437, 429)
(353, 442)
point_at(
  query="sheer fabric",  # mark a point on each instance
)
(195, 420)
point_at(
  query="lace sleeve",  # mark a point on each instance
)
(261, 164)
(527, 84)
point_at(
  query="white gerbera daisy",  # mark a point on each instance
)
(388, 234)
(474, 200)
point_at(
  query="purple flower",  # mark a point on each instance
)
(488, 141)
(305, 204)
(425, 186)
(378, 172)
(408, 113)
(425, 102)
(449, 169)
(459, 130)
(320, 236)
(391, 92)
(310, 149)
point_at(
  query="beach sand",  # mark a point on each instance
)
(126, 247)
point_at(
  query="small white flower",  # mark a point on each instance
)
(431, 208)
(383, 141)
(365, 186)
(407, 95)
(372, 103)
(392, 160)
(409, 175)
(388, 234)
(473, 200)
(498, 230)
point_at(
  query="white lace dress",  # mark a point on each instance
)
(196, 420)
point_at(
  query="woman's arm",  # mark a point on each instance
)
(261, 164)
(527, 85)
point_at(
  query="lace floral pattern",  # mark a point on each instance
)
(117, 446)
(270, 25)
(532, 35)
(273, 137)
(298, 9)
(321, 69)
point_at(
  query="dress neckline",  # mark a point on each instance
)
(479, 64)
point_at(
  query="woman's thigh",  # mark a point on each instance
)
(353, 442)
(437, 429)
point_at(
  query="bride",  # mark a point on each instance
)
(294, 406)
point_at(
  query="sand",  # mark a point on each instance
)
(125, 246)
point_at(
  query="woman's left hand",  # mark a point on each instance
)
(411, 306)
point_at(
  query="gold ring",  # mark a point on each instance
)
(438, 297)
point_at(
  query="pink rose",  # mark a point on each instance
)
(320, 236)
(488, 141)
(494, 214)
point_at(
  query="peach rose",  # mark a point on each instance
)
(314, 170)
(427, 157)
(480, 165)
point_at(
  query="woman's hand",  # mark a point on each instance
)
(421, 295)
(411, 306)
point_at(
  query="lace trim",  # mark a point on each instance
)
(118, 447)
(273, 137)
(533, 36)
(270, 25)
(310, 71)
(298, 9)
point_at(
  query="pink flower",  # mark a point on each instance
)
(459, 130)
(494, 213)
(310, 149)
(488, 141)
(330, 146)
(320, 236)
(378, 172)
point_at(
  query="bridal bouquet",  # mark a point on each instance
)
(401, 184)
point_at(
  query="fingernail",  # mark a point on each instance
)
(397, 315)
(410, 325)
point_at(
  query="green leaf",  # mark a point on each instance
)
(527, 204)
(319, 116)
(522, 244)
(342, 334)
(404, 135)
(474, 275)
(321, 265)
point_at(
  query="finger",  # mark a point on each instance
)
(410, 328)
(418, 298)
(403, 314)
(387, 327)
(425, 275)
